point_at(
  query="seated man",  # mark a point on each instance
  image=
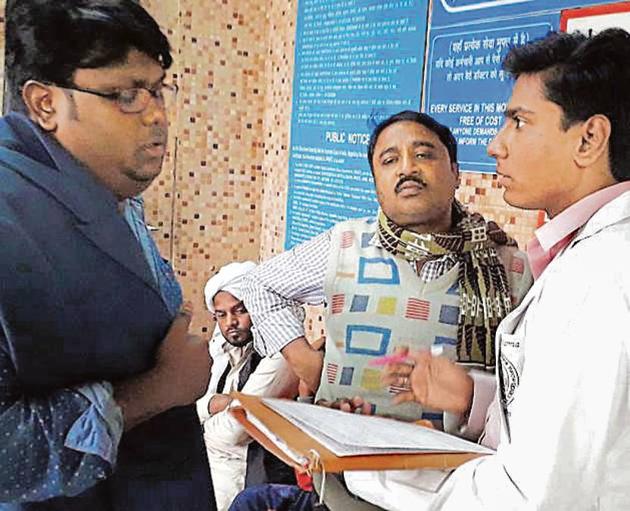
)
(424, 273)
(237, 367)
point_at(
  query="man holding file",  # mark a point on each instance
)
(562, 399)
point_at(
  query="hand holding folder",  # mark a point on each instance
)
(315, 438)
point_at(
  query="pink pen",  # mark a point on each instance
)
(388, 359)
(436, 351)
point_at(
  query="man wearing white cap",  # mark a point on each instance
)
(236, 367)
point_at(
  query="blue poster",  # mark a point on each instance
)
(465, 87)
(356, 62)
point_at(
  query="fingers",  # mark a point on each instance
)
(344, 405)
(360, 405)
(366, 409)
(397, 374)
(338, 404)
(401, 350)
(404, 397)
(420, 358)
(323, 402)
(355, 405)
(400, 374)
(357, 401)
(400, 369)
(186, 309)
(398, 380)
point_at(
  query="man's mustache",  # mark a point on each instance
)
(404, 179)
(159, 135)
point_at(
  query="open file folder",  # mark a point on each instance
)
(310, 437)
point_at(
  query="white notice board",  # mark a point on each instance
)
(589, 20)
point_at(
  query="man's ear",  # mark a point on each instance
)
(40, 102)
(593, 143)
(455, 168)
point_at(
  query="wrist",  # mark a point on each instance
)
(305, 361)
(482, 394)
(161, 388)
(468, 402)
(139, 399)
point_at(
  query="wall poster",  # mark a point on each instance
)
(356, 62)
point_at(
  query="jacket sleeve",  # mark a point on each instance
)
(59, 441)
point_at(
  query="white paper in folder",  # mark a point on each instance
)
(277, 441)
(347, 434)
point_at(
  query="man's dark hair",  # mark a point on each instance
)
(442, 132)
(585, 76)
(48, 40)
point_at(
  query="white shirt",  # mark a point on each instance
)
(226, 440)
(564, 425)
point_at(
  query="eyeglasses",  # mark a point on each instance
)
(133, 100)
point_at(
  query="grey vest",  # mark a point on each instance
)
(376, 302)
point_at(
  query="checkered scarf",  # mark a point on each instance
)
(483, 287)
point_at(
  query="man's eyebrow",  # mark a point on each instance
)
(144, 83)
(388, 150)
(414, 144)
(423, 143)
(511, 112)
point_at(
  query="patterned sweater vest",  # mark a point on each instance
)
(376, 302)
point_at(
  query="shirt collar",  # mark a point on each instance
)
(576, 215)
(556, 234)
(375, 241)
(237, 354)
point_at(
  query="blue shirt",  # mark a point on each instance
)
(160, 268)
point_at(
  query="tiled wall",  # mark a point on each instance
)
(207, 201)
(277, 124)
(222, 194)
(479, 191)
